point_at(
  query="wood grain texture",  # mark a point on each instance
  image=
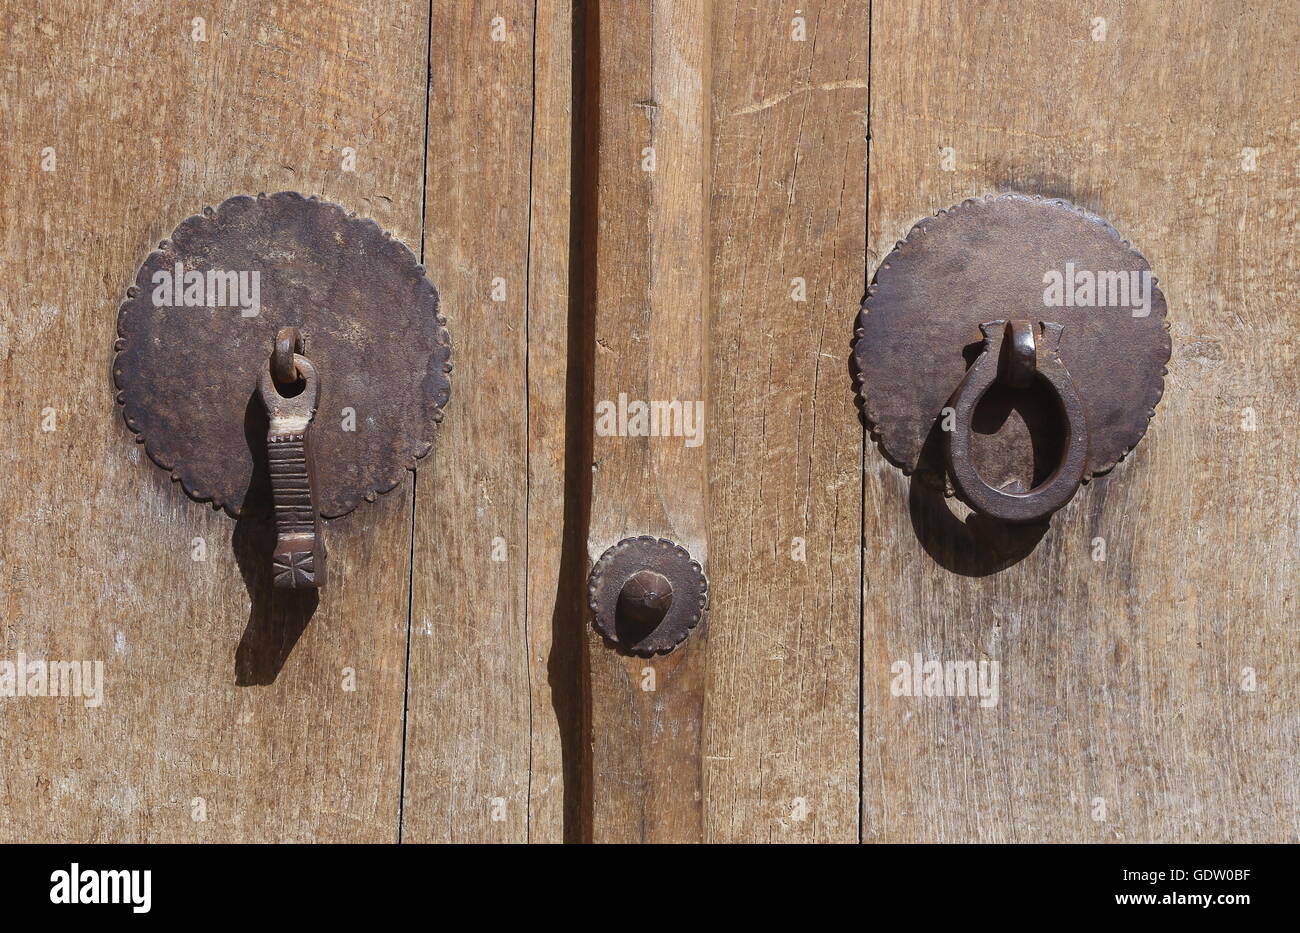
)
(649, 294)
(557, 475)
(215, 698)
(1122, 715)
(789, 190)
(467, 739)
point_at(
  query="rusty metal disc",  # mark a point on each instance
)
(993, 259)
(189, 358)
(647, 594)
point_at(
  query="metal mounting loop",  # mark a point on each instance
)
(288, 343)
(290, 409)
(1041, 501)
(1020, 355)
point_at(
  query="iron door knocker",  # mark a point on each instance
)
(1037, 302)
(280, 353)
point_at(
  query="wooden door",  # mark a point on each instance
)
(1149, 695)
(666, 201)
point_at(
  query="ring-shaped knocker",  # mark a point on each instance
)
(1029, 355)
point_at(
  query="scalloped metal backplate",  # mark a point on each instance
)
(985, 260)
(187, 377)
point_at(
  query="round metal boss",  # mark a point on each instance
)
(647, 594)
(200, 325)
(997, 259)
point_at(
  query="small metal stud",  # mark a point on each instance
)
(647, 595)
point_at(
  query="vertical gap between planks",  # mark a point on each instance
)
(862, 471)
(579, 443)
(410, 555)
(559, 599)
(528, 430)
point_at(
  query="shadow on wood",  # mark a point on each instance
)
(567, 668)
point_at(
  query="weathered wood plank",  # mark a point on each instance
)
(650, 306)
(222, 719)
(789, 190)
(557, 476)
(467, 744)
(1122, 714)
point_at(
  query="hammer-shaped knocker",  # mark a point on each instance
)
(198, 361)
(299, 557)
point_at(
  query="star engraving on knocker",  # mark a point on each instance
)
(294, 569)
